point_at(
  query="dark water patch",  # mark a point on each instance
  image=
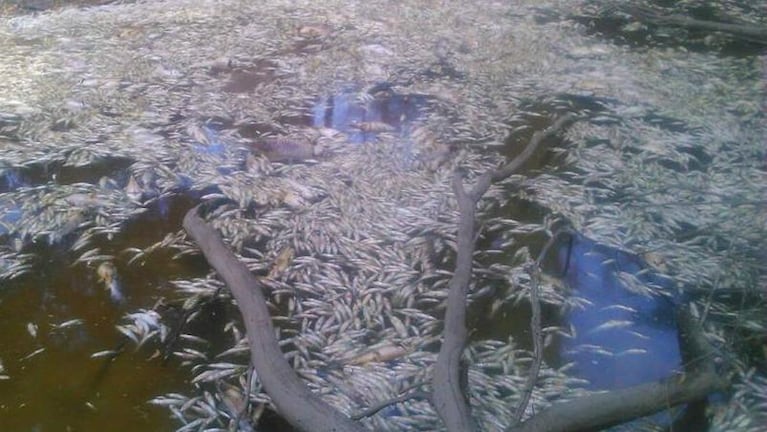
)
(489, 318)
(254, 130)
(537, 115)
(631, 28)
(521, 211)
(362, 119)
(207, 320)
(19, 7)
(81, 393)
(246, 77)
(289, 150)
(57, 172)
(270, 421)
(489, 322)
(441, 69)
(62, 388)
(148, 274)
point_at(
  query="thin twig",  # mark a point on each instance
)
(395, 400)
(534, 269)
(537, 335)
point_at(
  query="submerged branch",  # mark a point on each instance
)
(601, 410)
(618, 406)
(293, 399)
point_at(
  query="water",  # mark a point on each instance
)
(92, 394)
(62, 387)
(386, 111)
(619, 338)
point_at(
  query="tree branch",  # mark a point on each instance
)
(448, 397)
(601, 410)
(292, 398)
(537, 335)
(618, 406)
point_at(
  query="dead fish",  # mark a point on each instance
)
(133, 190)
(284, 149)
(381, 354)
(107, 274)
(281, 263)
(314, 31)
(373, 126)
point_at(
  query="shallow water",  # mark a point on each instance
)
(62, 388)
(621, 338)
(54, 384)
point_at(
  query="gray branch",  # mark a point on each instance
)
(293, 399)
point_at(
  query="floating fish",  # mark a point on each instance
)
(381, 354)
(373, 126)
(281, 263)
(107, 274)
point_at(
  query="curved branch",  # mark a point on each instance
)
(299, 406)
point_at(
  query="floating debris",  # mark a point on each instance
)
(286, 149)
(107, 274)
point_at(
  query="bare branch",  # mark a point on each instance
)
(299, 406)
(448, 397)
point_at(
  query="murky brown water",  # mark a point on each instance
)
(62, 387)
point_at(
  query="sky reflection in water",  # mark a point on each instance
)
(621, 338)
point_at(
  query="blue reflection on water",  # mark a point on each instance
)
(10, 213)
(214, 146)
(11, 180)
(621, 338)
